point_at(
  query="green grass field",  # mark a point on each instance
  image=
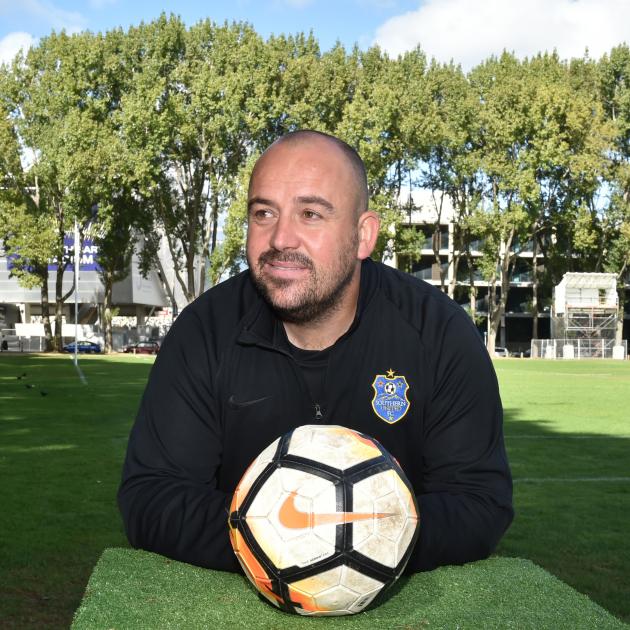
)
(62, 444)
(567, 427)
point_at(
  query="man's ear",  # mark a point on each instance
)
(369, 224)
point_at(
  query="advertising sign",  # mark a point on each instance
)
(88, 262)
(89, 255)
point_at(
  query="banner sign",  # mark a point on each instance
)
(89, 256)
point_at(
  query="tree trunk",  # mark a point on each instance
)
(107, 311)
(498, 309)
(621, 311)
(493, 320)
(170, 290)
(58, 341)
(472, 296)
(454, 262)
(535, 290)
(191, 292)
(48, 337)
(472, 291)
(176, 269)
(436, 242)
(209, 244)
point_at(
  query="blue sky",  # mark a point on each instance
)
(464, 30)
(349, 21)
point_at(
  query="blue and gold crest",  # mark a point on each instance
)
(390, 402)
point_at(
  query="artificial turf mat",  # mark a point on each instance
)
(136, 589)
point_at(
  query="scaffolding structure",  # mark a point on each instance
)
(584, 319)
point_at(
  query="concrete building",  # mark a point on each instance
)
(425, 213)
(135, 296)
(139, 300)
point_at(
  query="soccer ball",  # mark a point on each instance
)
(323, 521)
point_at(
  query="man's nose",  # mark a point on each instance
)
(285, 234)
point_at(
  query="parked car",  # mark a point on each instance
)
(500, 351)
(87, 347)
(143, 347)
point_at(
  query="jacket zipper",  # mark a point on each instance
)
(318, 413)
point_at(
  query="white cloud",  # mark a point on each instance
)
(12, 43)
(469, 31)
(54, 17)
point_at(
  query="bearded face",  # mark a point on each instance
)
(303, 243)
(315, 292)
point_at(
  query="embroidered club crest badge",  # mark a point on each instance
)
(390, 402)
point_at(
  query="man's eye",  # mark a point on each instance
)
(262, 214)
(311, 215)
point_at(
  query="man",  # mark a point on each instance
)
(315, 332)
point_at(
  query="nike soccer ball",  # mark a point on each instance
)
(323, 521)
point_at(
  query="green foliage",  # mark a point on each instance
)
(188, 119)
(228, 256)
(615, 224)
(158, 126)
(543, 155)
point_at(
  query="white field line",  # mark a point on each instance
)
(572, 480)
(567, 437)
(80, 372)
(583, 374)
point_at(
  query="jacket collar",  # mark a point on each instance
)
(259, 324)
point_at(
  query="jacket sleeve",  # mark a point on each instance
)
(169, 496)
(465, 497)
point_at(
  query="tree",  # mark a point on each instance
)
(615, 93)
(504, 95)
(565, 162)
(120, 221)
(187, 121)
(25, 229)
(386, 120)
(56, 102)
(229, 256)
(452, 166)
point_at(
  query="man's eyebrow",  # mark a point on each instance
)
(317, 200)
(261, 200)
(305, 199)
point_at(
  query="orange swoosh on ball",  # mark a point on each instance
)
(293, 518)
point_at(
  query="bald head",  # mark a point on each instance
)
(307, 137)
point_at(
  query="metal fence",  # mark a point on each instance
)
(579, 349)
(10, 342)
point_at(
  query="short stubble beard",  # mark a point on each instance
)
(319, 299)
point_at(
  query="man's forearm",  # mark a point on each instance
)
(455, 529)
(184, 521)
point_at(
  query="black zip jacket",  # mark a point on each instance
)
(222, 388)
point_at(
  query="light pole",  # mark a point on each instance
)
(77, 261)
